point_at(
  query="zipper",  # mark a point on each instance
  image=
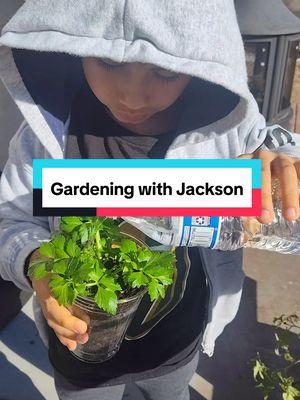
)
(209, 297)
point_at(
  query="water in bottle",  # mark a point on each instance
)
(225, 233)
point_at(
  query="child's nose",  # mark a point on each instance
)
(134, 96)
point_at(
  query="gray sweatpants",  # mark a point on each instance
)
(166, 387)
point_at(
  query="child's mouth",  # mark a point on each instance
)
(129, 118)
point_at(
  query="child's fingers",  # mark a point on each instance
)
(71, 344)
(67, 333)
(267, 214)
(68, 328)
(79, 313)
(285, 170)
(54, 312)
(63, 317)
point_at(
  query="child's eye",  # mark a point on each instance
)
(108, 65)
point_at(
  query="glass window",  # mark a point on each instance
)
(289, 74)
(257, 57)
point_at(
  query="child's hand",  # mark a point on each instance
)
(68, 328)
(287, 170)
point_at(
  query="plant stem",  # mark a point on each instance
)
(97, 237)
(292, 365)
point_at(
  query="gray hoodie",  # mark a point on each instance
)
(40, 48)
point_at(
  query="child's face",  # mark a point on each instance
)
(133, 92)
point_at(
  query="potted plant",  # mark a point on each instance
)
(100, 270)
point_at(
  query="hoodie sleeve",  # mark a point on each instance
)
(273, 138)
(20, 232)
(279, 140)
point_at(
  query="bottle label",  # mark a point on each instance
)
(200, 231)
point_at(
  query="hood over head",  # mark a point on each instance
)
(42, 45)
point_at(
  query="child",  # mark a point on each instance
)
(134, 79)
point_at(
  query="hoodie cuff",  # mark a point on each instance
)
(26, 266)
(17, 259)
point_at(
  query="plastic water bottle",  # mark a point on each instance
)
(225, 233)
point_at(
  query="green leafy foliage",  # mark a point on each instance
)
(90, 257)
(39, 269)
(106, 299)
(271, 380)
